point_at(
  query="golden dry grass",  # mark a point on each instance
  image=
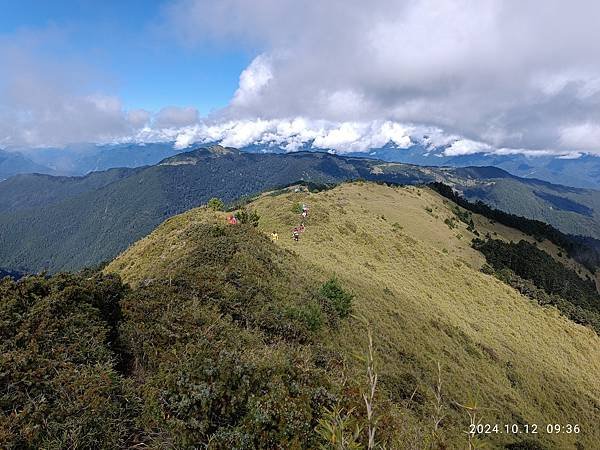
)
(418, 282)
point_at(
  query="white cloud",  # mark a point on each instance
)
(341, 137)
(252, 81)
(361, 136)
(289, 134)
(528, 152)
(583, 136)
(466, 147)
(488, 76)
(184, 139)
(573, 155)
(138, 118)
(46, 102)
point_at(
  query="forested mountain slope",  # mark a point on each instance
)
(571, 210)
(39, 190)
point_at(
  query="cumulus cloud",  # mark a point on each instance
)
(504, 73)
(289, 134)
(138, 118)
(252, 81)
(487, 76)
(466, 147)
(582, 136)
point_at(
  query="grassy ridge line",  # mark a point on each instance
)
(418, 282)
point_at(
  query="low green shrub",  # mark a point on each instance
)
(216, 204)
(246, 216)
(297, 208)
(60, 384)
(336, 298)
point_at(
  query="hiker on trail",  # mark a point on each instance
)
(274, 236)
(301, 228)
(304, 210)
(296, 234)
(232, 220)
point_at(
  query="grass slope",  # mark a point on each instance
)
(418, 283)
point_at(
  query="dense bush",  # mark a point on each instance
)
(464, 216)
(450, 222)
(59, 385)
(297, 208)
(246, 216)
(226, 350)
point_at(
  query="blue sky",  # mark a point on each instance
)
(128, 44)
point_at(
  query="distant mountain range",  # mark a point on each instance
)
(63, 223)
(76, 160)
(82, 159)
(583, 172)
(13, 163)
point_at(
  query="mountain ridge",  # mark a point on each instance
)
(85, 220)
(416, 279)
(582, 171)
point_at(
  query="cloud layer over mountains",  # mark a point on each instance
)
(507, 73)
(486, 75)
